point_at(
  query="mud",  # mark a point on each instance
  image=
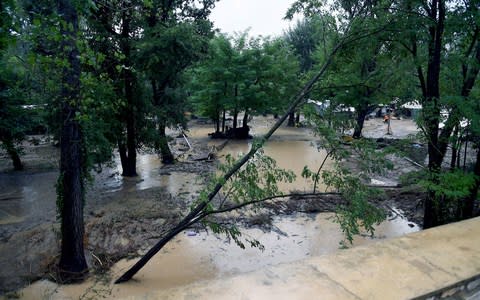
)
(127, 215)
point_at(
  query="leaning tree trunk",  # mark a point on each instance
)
(197, 213)
(13, 153)
(72, 265)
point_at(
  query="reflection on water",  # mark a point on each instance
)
(149, 176)
(193, 257)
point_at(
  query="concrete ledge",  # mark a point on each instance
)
(434, 263)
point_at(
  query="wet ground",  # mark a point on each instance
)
(124, 215)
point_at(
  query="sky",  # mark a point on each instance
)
(264, 17)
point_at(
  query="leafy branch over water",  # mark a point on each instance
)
(198, 212)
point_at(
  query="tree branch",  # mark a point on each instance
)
(319, 169)
(247, 203)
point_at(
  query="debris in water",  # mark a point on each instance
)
(191, 233)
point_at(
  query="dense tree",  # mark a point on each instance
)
(152, 43)
(305, 37)
(243, 75)
(442, 38)
(172, 42)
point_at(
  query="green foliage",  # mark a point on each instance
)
(164, 54)
(233, 233)
(451, 186)
(358, 213)
(97, 119)
(243, 74)
(451, 189)
(256, 181)
(309, 34)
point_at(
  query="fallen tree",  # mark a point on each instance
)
(201, 210)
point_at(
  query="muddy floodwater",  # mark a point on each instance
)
(27, 200)
(196, 256)
(290, 155)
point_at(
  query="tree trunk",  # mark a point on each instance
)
(245, 119)
(361, 114)
(167, 156)
(131, 147)
(13, 153)
(455, 146)
(223, 121)
(431, 111)
(217, 122)
(129, 169)
(72, 265)
(291, 119)
(122, 150)
(235, 110)
(162, 143)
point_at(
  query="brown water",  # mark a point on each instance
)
(289, 155)
(149, 176)
(196, 256)
(291, 147)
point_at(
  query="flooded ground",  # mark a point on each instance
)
(196, 256)
(124, 215)
(291, 155)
